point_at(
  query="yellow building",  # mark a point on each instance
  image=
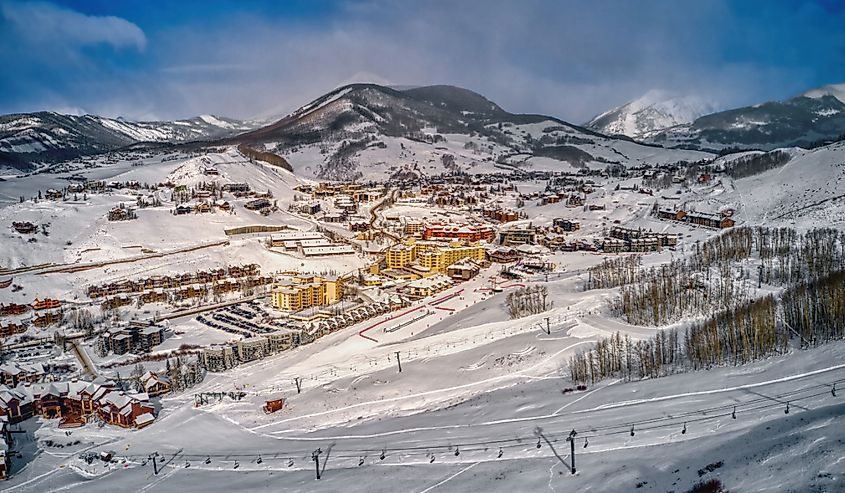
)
(299, 292)
(431, 255)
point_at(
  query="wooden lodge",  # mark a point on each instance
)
(46, 304)
(13, 309)
(47, 319)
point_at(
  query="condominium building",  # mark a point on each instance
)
(298, 292)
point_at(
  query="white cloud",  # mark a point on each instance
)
(47, 23)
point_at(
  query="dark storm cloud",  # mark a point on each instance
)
(568, 59)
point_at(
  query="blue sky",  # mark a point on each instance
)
(164, 60)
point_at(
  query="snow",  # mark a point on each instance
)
(212, 120)
(835, 90)
(654, 111)
(470, 377)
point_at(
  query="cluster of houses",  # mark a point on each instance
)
(706, 219)
(357, 192)
(48, 313)
(501, 215)
(121, 213)
(75, 402)
(187, 280)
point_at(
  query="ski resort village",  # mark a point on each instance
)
(412, 289)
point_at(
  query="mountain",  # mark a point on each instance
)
(29, 138)
(815, 116)
(655, 110)
(371, 131)
(835, 90)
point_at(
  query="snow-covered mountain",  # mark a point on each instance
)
(28, 138)
(367, 130)
(655, 110)
(806, 120)
(835, 90)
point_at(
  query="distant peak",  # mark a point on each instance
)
(835, 90)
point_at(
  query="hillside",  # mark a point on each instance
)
(799, 121)
(44, 137)
(366, 131)
(654, 111)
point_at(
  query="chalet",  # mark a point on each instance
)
(155, 385)
(333, 218)
(75, 398)
(13, 309)
(500, 215)
(46, 304)
(504, 255)
(121, 214)
(428, 286)
(574, 200)
(710, 220)
(463, 270)
(53, 194)
(24, 227)
(14, 373)
(12, 328)
(47, 319)
(236, 187)
(359, 226)
(310, 208)
(671, 214)
(257, 204)
(566, 224)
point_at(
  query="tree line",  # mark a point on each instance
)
(720, 274)
(811, 313)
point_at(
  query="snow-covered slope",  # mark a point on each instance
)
(45, 136)
(655, 110)
(835, 90)
(808, 191)
(370, 131)
(805, 121)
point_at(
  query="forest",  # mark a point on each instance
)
(721, 273)
(804, 305)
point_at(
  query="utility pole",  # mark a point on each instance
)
(155, 465)
(298, 382)
(398, 362)
(548, 327)
(316, 456)
(571, 440)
